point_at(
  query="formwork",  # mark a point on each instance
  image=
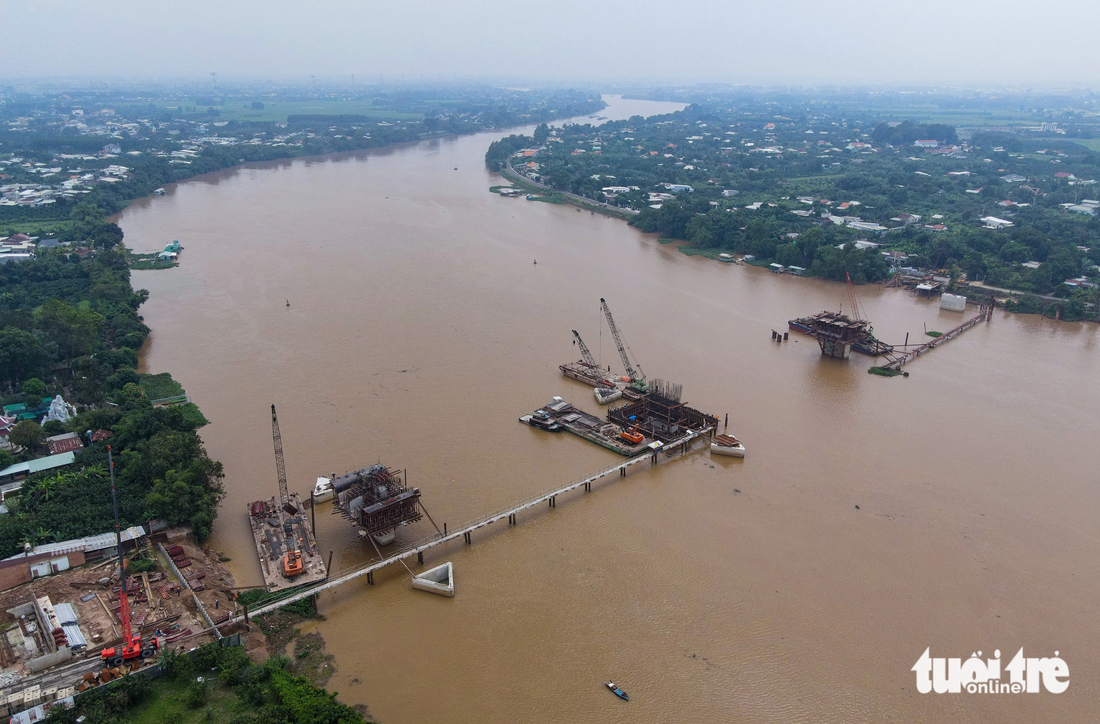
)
(376, 499)
(661, 414)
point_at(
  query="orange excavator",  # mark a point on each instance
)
(632, 435)
(133, 646)
(292, 564)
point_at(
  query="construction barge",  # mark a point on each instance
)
(283, 536)
(645, 425)
(285, 544)
(562, 415)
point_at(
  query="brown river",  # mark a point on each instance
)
(871, 519)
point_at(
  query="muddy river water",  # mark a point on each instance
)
(712, 589)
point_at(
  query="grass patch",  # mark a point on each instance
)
(706, 253)
(884, 371)
(934, 333)
(552, 199)
(193, 415)
(153, 264)
(168, 697)
(159, 387)
(1092, 144)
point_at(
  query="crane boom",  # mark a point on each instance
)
(585, 354)
(124, 611)
(280, 468)
(853, 302)
(637, 378)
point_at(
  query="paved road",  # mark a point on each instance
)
(581, 200)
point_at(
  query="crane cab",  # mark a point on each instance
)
(136, 648)
(292, 564)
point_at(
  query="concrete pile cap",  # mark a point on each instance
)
(439, 580)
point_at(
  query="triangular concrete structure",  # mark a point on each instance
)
(439, 580)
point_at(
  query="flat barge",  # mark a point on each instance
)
(602, 432)
(590, 375)
(281, 532)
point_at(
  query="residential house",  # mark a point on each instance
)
(68, 442)
(927, 143)
(44, 560)
(992, 222)
(12, 477)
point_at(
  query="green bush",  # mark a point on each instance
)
(196, 695)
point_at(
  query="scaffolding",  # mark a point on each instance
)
(662, 414)
(837, 333)
(376, 500)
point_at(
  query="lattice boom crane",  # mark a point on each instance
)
(585, 354)
(280, 468)
(637, 377)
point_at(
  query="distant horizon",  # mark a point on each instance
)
(336, 83)
(981, 44)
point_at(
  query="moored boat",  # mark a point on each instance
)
(727, 445)
(616, 690)
(323, 490)
(542, 420)
(802, 324)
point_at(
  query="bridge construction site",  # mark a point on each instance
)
(466, 531)
(838, 334)
(653, 420)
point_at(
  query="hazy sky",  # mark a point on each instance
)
(956, 42)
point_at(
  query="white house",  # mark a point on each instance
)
(992, 222)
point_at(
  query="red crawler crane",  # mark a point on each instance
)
(133, 647)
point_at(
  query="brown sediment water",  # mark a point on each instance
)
(711, 589)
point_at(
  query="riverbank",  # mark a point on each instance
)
(585, 203)
(454, 315)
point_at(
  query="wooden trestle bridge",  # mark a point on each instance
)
(465, 532)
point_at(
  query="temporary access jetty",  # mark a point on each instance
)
(465, 532)
(985, 314)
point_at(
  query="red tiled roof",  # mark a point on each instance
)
(68, 444)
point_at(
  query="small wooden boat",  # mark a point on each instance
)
(616, 690)
(727, 445)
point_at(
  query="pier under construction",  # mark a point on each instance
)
(377, 501)
(683, 445)
(838, 334)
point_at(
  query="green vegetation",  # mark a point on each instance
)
(933, 333)
(884, 371)
(160, 387)
(799, 181)
(240, 692)
(69, 325)
(68, 147)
